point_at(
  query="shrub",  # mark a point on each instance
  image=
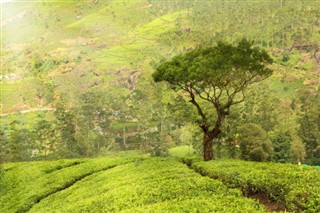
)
(254, 143)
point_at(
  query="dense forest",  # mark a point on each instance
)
(76, 79)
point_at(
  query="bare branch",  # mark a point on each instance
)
(195, 103)
(217, 93)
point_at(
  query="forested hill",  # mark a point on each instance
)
(77, 46)
(90, 63)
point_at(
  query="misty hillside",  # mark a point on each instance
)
(78, 46)
(81, 70)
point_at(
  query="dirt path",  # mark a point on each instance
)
(271, 206)
(27, 111)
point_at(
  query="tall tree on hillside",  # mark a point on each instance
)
(216, 75)
(44, 136)
(261, 107)
(281, 145)
(93, 122)
(66, 130)
(309, 130)
(20, 145)
(150, 105)
(297, 150)
(3, 146)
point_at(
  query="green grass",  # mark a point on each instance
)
(182, 151)
(111, 15)
(284, 89)
(20, 94)
(128, 153)
(9, 95)
(135, 46)
(160, 25)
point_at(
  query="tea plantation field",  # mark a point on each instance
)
(147, 184)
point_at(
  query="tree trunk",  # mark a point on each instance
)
(209, 136)
(207, 147)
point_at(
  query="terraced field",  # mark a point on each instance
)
(103, 42)
(151, 185)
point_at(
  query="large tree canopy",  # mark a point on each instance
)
(218, 75)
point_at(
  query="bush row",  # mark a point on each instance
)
(298, 187)
(148, 185)
(25, 184)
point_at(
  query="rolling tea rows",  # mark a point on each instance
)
(155, 185)
(24, 184)
(298, 187)
(136, 185)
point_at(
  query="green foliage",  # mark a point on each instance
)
(296, 186)
(260, 107)
(297, 150)
(153, 184)
(309, 130)
(66, 130)
(45, 138)
(182, 151)
(224, 65)
(25, 184)
(218, 75)
(19, 142)
(159, 151)
(281, 147)
(254, 143)
(92, 117)
(3, 146)
(106, 41)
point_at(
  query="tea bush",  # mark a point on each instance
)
(25, 184)
(150, 185)
(296, 186)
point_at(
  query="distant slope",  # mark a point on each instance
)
(81, 45)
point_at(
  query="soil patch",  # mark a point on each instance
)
(271, 206)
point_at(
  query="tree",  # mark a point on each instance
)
(151, 105)
(216, 75)
(20, 145)
(297, 150)
(254, 143)
(3, 146)
(230, 130)
(93, 122)
(261, 107)
(66, 130)
(309, 130)
(281, 144)
(44, 136)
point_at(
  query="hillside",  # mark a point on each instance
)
(47, 46)
(76, 75)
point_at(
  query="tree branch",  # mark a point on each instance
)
(200, 112)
